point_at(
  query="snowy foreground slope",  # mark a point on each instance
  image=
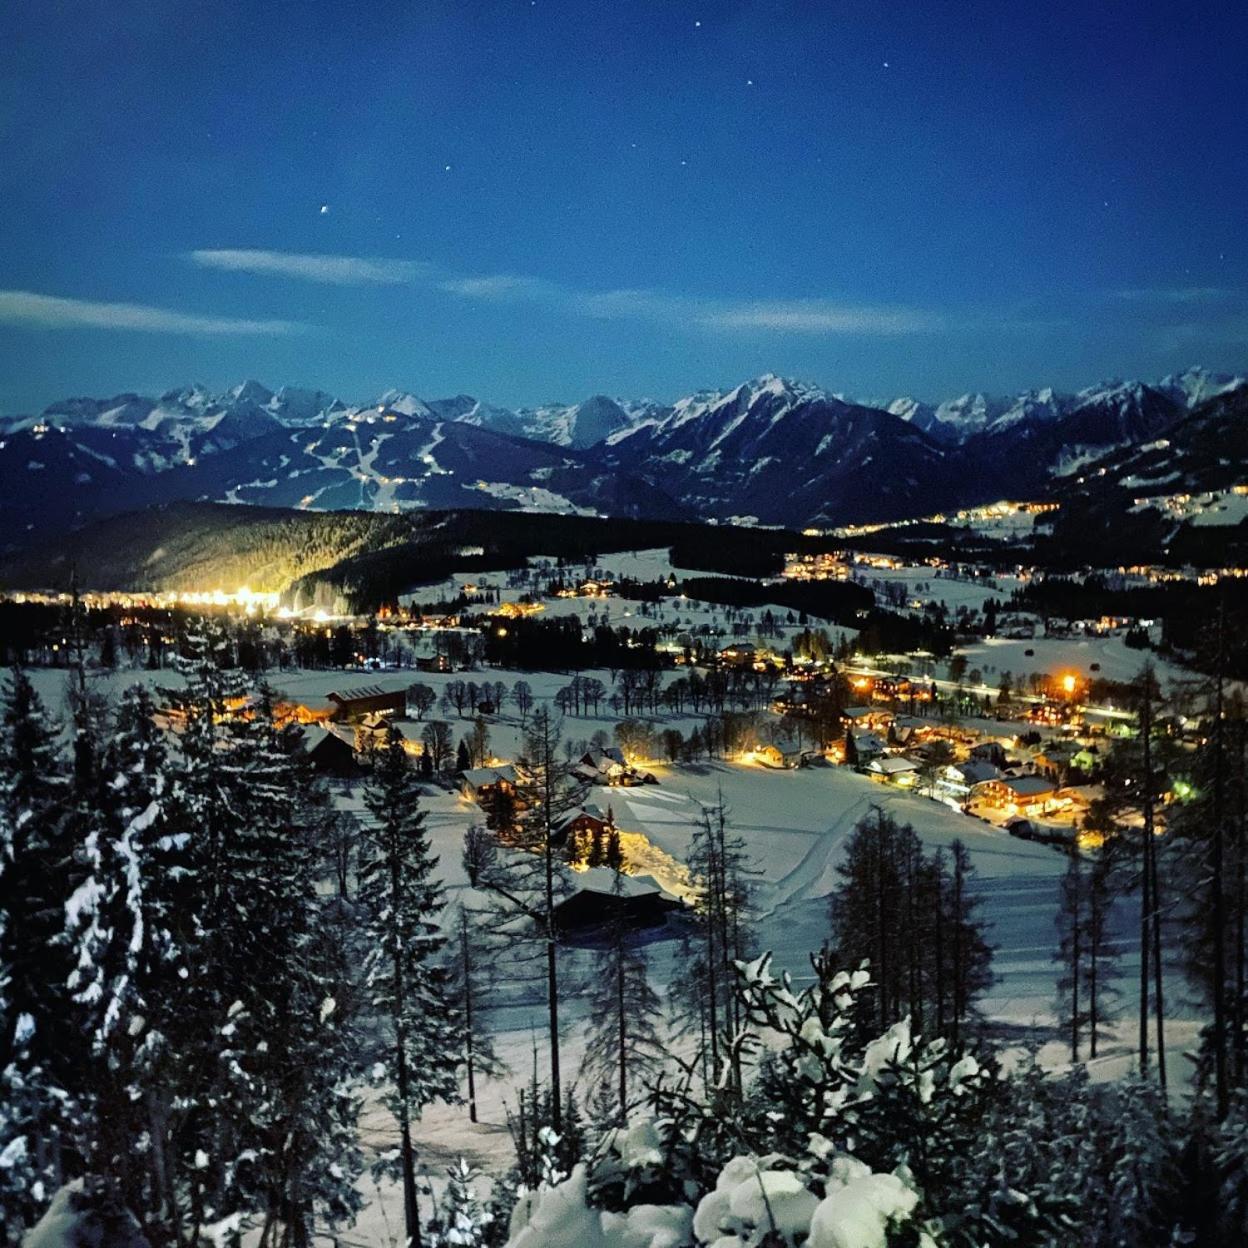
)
(794, 824)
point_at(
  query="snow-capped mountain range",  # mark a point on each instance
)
(771, 449)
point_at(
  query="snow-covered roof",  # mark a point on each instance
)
(603, 880)
(1028, 786)
(477, 776)
(893, 766)
(975, 771)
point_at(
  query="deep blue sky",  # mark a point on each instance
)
(530, 201)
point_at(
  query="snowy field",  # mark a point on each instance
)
(643, 565)
(943, 589)
(1117, 661)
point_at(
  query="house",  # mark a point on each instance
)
(868, 745)
(958, 779)
(779, 755)
(874, 717)
(739, 654)
(989, 752)
(608, 763)
(372, 699)
(902, 772)
(331, 750)
(1015, 795)
(483, 784)
(600, 895)
(972, 772)
(373, 731)
(433, 663)
(589, 820)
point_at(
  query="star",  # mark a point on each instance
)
(697, 24)
(447, 168)
(885, 64)
(324, 210)
(749, 82)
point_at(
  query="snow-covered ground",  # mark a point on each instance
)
(1110, 658)
(794, 825)
(953, 593)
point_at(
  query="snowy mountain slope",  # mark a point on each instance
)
(782, 451)
(786, 453)
(1176, 495)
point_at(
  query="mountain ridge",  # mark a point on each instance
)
(769, 451)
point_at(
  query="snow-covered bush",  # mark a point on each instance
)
(751, 1206)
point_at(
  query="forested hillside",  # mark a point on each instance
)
(358, 558)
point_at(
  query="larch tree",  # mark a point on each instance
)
(530, 883)
(402, 904)
(624, 1045)
(471, 988)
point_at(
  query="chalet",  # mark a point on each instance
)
(989, 752)
(600, 895)
(972, 772)
(373, 731)
(868, 745)
(331, 751)
(784, 756)
(372, 699)
(1015, 794)
(874, 717)
(482, 784)
(433, 663)
(902, 772)
(608, 762)
(739, 654)
(587, 821)
(958, 779)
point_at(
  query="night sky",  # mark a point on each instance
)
(529, 201)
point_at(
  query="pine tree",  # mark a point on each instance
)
(911, 917)
(122, 922)
(463, 1220)
(39, 1031)
(255, 1113)
(402, 905)
(624, 1044)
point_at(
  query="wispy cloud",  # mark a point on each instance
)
(800, 316)
(1171, 295)
(24, 307)
(332, 270)
(817, 316)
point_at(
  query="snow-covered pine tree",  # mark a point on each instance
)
(40, 1033)
(124, 923)
(624, 1045)
(463, 1219)
(402, 905)
(255, 1117)
(306, 1054)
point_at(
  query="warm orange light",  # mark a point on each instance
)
(1069, 683)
